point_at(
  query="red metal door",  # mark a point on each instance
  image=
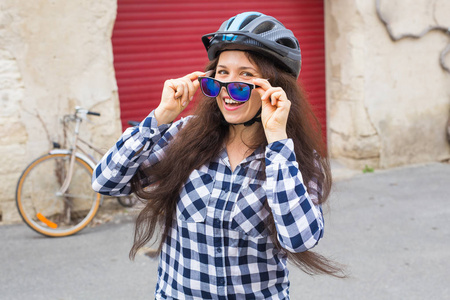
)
(158, 40)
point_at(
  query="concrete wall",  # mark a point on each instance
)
(54, 55)
(388, 102)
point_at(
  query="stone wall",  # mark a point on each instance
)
(388, 101)
(54, 55)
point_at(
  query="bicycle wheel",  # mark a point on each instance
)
(40, 203)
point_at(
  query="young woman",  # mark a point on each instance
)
(236, 188)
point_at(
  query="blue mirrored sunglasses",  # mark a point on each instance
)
(238, 91)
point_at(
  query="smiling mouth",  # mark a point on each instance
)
(231, 102)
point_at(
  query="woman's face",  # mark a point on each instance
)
(235, 66)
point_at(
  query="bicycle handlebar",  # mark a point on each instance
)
(81, 113)
(133, 123)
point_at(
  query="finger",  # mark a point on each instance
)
(264, 84)
(170, 89)
(185, 96)
(178, 89)
(281, 104)
(170, 84)
(196, 84)
(181, 90)
(275, 97)
(193, 83)
(194, 75)
(267, 95)
(191, 87)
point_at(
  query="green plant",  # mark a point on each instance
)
(368, 169)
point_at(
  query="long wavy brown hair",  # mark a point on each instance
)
(201, 140)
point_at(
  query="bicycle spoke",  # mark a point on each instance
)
(77, 196)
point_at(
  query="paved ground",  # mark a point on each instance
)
(391, 228)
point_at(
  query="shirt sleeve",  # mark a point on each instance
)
(143, 144)
(298, 220)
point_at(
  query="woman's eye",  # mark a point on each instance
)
(221, 72)
(247, 74)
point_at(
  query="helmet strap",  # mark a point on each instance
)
(256, 118)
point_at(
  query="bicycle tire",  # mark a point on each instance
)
(40, 205)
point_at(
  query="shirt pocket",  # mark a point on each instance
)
(249, 215)
(194, 197)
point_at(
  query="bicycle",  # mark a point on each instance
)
(54, 195)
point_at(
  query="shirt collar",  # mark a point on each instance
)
(257, 154)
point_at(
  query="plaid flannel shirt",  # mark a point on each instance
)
(219, 246)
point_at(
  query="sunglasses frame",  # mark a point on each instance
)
(226, 84)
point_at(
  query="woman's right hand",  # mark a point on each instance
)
(176, 95)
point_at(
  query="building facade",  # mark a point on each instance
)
(386, 102)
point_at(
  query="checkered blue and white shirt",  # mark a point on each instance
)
(218, 246)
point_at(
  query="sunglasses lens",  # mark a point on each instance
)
(210, 87)
(239, 91)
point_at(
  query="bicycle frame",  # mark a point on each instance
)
(87, 159)
(80, 114)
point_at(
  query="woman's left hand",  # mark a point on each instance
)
(275, 110)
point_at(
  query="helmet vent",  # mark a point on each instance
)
(264, 27)
(247, 21)
(230, 22)
(287, 42)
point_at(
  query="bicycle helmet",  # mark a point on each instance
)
(258, 32)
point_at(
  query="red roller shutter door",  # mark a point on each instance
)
(157, 40)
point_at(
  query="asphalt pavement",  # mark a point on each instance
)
(390, 228)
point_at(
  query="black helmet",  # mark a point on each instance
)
(258, 32)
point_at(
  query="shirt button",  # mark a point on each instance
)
(221, 281)
(216, 222)
(114, 173)
(219, 250)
